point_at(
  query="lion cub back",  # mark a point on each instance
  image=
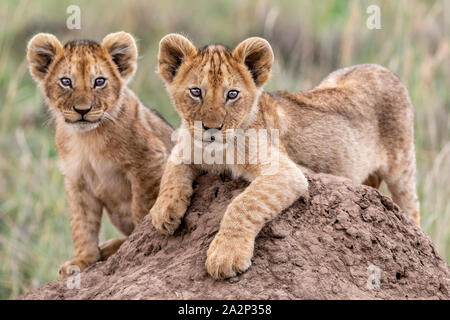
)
(357, 123)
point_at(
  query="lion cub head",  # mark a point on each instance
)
(83, 80)
(215, 85)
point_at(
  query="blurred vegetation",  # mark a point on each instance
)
(310, 39)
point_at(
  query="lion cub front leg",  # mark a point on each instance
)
(144, 189)
(174, 196)
(232, 248)
(86, 213)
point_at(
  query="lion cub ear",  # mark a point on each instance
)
(173, 50)
(123, 51)
(256, 53)
(41, 52)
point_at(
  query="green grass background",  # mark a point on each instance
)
(310, 39)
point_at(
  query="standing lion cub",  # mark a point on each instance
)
(357, 123)
(112, 148)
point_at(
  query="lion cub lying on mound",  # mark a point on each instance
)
(112, 148)
(358, 123)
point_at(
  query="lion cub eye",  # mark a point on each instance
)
(232, 94)
(66, 82)
(196, 92)
(99, 82)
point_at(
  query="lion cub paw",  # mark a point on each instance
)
(228, 256)
(71, 267)
(166, 216)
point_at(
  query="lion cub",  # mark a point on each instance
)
(112, 148)
(358, 123)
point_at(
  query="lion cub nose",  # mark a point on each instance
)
(82, 111)
(215, 128)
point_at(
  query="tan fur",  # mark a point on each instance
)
(358, 123)
(113, 160)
